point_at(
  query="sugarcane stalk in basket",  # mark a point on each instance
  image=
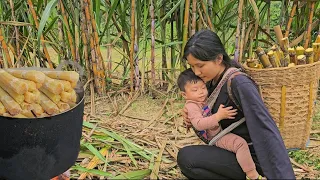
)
(9, 103)
(14, 83)
(316, 52)
(263, 58)
(48, 106)
(251, 63)
(309, 55)
(277, 54)
(272, 58)
(300, 50)
(317, 39)
(53, 85)
(292, 54)
(301, 59)
(2, 109)
(19, 98)
(32, 75)
(54, 97)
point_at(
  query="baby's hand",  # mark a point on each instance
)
(226, 112)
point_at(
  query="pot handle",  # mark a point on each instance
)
(78, 68)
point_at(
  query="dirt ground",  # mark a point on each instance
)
(156, 126)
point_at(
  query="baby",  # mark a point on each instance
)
(195, 92)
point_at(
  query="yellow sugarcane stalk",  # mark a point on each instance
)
(5, 49)
(34, 15)
(66, 23)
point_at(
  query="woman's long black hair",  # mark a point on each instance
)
(205, 45)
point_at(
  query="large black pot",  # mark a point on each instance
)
(40, 148)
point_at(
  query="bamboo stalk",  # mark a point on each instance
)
(306, 44)
(194, 16)
(34, 15)
(66, 23)
(5, 49)
(293, 11)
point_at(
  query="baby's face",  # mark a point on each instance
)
(195, 91)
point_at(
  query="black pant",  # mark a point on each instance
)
(211, 162)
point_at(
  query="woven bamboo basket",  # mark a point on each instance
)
(290, 94)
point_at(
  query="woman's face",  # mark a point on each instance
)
(206, 70)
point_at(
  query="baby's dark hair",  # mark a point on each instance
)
(185, 77)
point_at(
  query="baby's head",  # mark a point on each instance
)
(192, 87)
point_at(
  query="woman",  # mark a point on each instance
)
(206, 55)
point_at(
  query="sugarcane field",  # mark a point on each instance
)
(159, 89)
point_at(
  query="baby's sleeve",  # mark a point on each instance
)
(197, 120)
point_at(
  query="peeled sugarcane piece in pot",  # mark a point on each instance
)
(47, 105)
(14, 116)
(39, 85)
(37, 109)
(27, 113)
(43, 115)
(37, 96)
(292, 54)
(309, 55)
(2, 109)
(14, 83)
(29, 97)
(316, 52)
(26, 106)
(53, 85)
(54, 97)
(272, 58)
(301, 59)
(66, 96)
(73, 96)
(32, 75)
(63, 106)
(66, 85)
(71, 76)
(31, 85)
(263, 58)
(9, 103)
(72, 104)
(19, 98)
(300, 50)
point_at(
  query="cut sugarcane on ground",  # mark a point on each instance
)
(35, 94)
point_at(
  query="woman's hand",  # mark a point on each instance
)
(186, 120)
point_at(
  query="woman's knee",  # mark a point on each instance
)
(185, 157)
